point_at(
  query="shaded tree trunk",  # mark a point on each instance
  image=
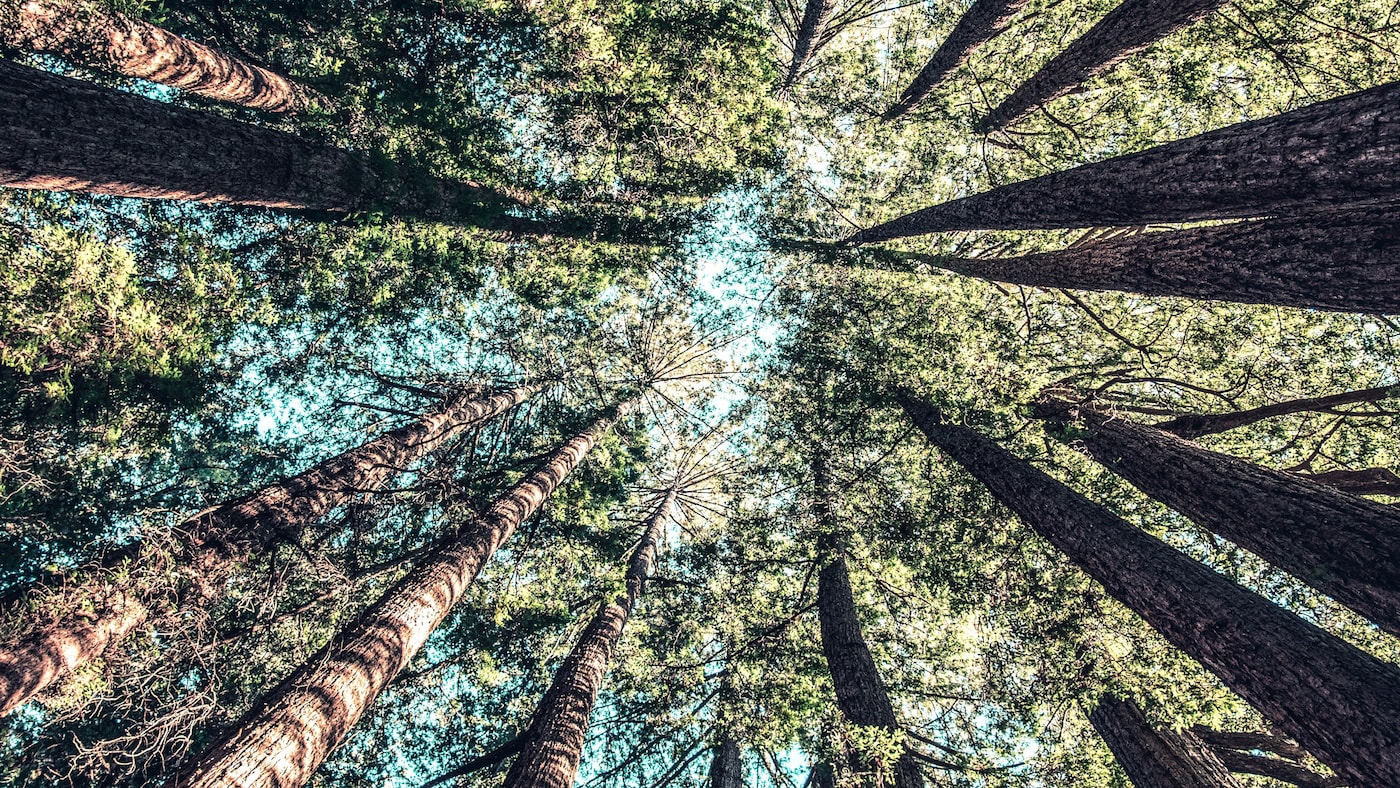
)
(553, 745)
(1157, 758)
(809, 32)
(1366, 481)
(1249, 740)
(89, 34)
(1340, 152)
(1276, 768)
(727, 765)
(1337, 701)
(821, 776)
(1195, 425)
(285, 737)
(1346, 261)
(1345, 546)
(985, 20)
(1126, 30)
(215, 542)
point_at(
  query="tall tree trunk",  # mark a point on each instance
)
(727, 765)
(90, 34)
(1126, 30)
(985, 20)
(821, 776)
(1249, 740)
(285, 737)
(215, 542)
(1345, 546)
(64, 134)
(1153, 758)
(1337, 701)
(1276, 768)
(809, 33)
(1194, 425)
(1340, 152)
(1346, 261)
(554, 743)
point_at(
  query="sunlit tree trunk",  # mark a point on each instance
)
(1345, 546)
(1340, 152)
(1194, 425)
(809, 32)
(1156, 758)
(553, 745)
(1346, 261)
(215, 542)
(727, 765)
(1126, 30)
(91, 34)
(1337, 701)
(985, 20)
(285, 737)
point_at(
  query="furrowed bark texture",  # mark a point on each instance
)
(727, 767)
(1126, 30)
(554, 744)
(1346, 261)
(809, 32)
(63, 134)
(1277, 768)
(88, 34)
(985, 20)
(1195, 425)
(215, 542)
(1345, 546)
(1340, 152)
(1157, 758)
(283, 740)
(1338, 702)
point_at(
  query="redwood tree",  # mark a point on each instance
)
(1194, 425)
(1156, 758)
(727, 765)
(985, 20)
(809, 33)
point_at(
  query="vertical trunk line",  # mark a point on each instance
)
(1157, 758)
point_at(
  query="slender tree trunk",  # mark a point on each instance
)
(218, 540)
(1346, 261)
(1126, 30)
(985, 20)
(1249, 740)
(1366, 481)
(90, 34)
(1340, 152)
(1195, 425)
(1337, 701)
(64, 134)
(727, 766)
(554, 744)
(821, 776)
(285, 737)
(809, 33)
(1157, 758)
(1276, 768)
(1345, 546)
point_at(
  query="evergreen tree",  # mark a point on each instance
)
(985, 20)
(1156, 758)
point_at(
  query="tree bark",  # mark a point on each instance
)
(1345, 261)
(1340, 703)
(63, 134)
(727, 766)
(1366, 481)
(554, 743)
(1157, 758)
(821, 776)
(1345, 546)
(985, 20)
(1276, 768)
(89, 34)
(814, 18)
(1195, 425)
(1125, 31)
(285, 737)
(216, 541)
(1340, 152)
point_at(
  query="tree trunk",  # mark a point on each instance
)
(285, 737)
(1337, 701)
(218, 540)
(1276, 768)
(1345, 546)
(1345, 261)
(554, 744)
(1153, 758)
(1195, 425)
(1340, 152)
(1366, 481)
(89, 34)
(63, 134)
(985, 20)
(809, 33)
(1249, 740)
(727, 767)
(821, 776)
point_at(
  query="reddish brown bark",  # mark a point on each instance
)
(985, 20)
(1157, 758)
(1197, 424)
(553, 745)
(283, 740)
(89, 34)
(1126, 30)
(1340, 152)
(217, 541)
(1340, 703)
(727, 765)
(809, 32)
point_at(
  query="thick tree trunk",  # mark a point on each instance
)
(63, 134)
(283, 740)
(727, 765)
(1340, 152)
(1346, 261)
(1195, 425)
(554, 743)
(1153, 758)
(1337, 701)
(90, 34)
(216, 541)
(1345, 546)
(809, 33)
(985, 20)
(1126, 30)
